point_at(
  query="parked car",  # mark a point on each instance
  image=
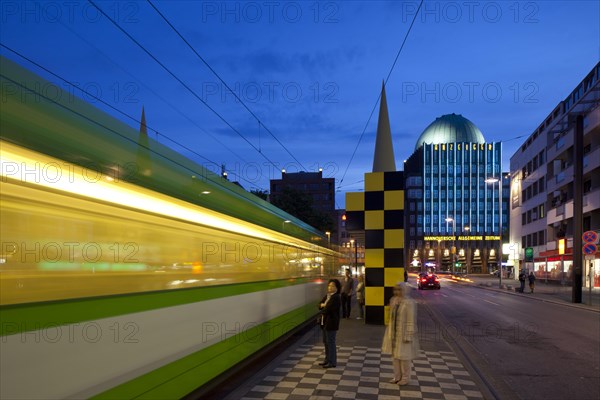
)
(428, 281)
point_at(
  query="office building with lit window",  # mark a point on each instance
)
(454, 188)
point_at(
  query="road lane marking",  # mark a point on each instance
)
(461, 292)
(487, 301)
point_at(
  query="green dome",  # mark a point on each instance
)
(450, 128)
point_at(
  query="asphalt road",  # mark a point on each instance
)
(522, 348)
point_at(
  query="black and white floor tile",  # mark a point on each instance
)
(363, 373)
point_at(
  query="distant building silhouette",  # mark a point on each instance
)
(321, 190)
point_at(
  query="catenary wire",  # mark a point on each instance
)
(152, 91)
(99, 99)
(216, 179)
(104, 102)
(181, 82)
(223, 82)
(114, 108)
(379, 96)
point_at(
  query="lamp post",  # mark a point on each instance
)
(468, 230)
(328, 238)
(356, 257)
(453, 249)
(492, 181)
(353, 244)
(287, 221)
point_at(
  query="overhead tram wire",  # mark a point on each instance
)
(379, 96)
(223, 82)
(181, 82)
(153, 92)
(93, 121)
(103, 102)
(350, 184)
(511, 139)
(114, 108)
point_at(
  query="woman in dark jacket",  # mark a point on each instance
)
(330, 321)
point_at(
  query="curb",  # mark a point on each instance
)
(509, 290)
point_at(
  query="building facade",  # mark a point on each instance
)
(456, 199)
(321, 190)
(543, 188)
(351, 246)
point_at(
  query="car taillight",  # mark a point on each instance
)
(437, 280)
(424, 280)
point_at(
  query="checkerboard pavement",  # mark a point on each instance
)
(364, 373)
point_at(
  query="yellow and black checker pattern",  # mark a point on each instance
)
(379, 211)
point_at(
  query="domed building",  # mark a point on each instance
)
(452, 214)
(450, 128)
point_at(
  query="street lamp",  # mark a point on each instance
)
(287, 221)
(468, 230)
(356, 257)
(492, 181)
(453, 249)
(328, 238)
(352, 244)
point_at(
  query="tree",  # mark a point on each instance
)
(263, 194)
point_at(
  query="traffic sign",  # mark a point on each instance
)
(590, 237)
(590, 248)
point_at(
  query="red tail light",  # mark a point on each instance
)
(424, 280)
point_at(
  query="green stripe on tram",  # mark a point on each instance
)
(179, 378)
(35, 316)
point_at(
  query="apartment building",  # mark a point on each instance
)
(543, 188)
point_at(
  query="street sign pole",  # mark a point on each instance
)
(590, 275)
(589, 249)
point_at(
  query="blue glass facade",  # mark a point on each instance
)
(455, 187)
(452, 212)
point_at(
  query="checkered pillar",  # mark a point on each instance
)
(380, 212)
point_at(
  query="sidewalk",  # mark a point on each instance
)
(362, 372)
(543, 291)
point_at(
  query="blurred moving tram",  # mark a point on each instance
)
(127, 270)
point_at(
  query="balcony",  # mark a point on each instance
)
(561, 178)
(591, 160)
(560, 144)
(593, 120)
(560, 213)
(591, 201)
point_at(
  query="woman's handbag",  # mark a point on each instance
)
(320, 319)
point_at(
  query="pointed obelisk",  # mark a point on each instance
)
(384, 150)
(143, 156)
(143, 127)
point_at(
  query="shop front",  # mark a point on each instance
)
(471, 254)
(554, 268)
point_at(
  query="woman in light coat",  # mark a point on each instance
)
(401, 340)
(360, 297)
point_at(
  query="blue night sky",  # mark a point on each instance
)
(312, 72)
